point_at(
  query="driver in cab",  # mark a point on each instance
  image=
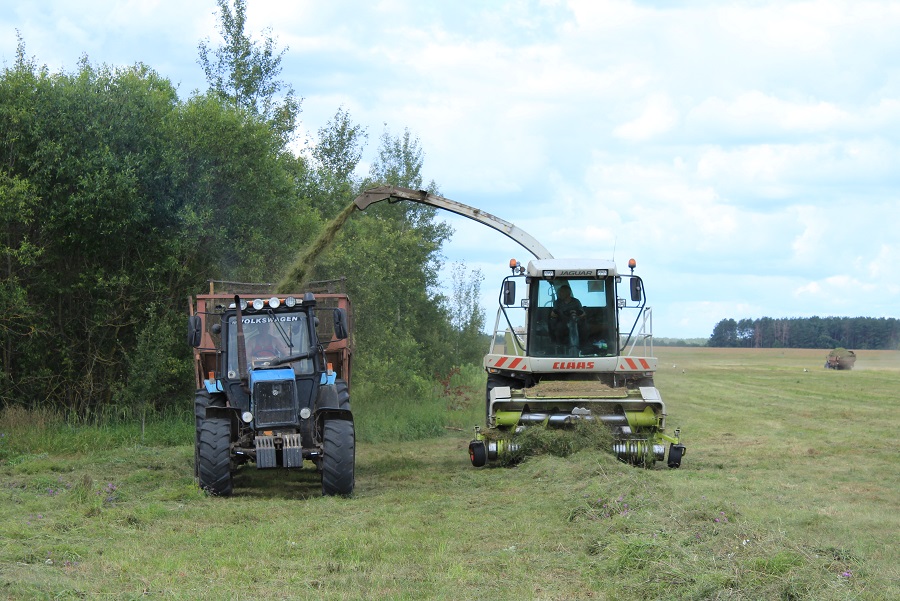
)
(268, 344)
(566, 307)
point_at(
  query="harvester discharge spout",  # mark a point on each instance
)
(396, 193)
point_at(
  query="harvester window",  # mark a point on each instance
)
(572, 318)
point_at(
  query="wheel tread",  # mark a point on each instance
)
(339, 457)
(215, 457)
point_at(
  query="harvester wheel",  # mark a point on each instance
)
(339, 457)
(478, 453)
(676, 451)
(215, 457)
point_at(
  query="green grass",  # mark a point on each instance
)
(413, 411)
(788, 491)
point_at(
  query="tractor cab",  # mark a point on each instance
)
(271, 337)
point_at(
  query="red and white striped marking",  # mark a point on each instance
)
(516, 363)
(639, 364)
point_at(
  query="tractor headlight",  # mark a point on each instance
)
(247, 417)
(258, 303)
(290, 301)
(274, 302)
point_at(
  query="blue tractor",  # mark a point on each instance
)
(272, 386)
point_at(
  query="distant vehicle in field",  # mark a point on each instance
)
(840, 358)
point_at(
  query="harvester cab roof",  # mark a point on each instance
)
(571, 268)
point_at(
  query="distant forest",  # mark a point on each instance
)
(808, 332)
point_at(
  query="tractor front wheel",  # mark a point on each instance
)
(202, 400)
(339, 457)
(214, 464)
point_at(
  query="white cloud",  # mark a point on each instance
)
(806, 27)
(809, 244)
(843, 295)
(657, 117)
(754, 113)
(815, 171)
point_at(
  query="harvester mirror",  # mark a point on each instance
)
(195, 330)
(636, 289)
(340, 324)
(509, 292)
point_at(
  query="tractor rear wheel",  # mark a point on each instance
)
(214, 461)
(334, 397)
(339, 457)
(202, 400)
(343, 394)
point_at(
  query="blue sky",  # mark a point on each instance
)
(747, 154)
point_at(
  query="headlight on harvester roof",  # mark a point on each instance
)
(258, 304)
(602, 273)
(549, 273)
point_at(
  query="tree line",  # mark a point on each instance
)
(118, 201)
(808, 332)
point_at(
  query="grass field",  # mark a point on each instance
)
(789, 490)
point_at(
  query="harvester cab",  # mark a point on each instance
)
(272, 386)
(576, 344)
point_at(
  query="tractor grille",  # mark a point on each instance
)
(273, 403)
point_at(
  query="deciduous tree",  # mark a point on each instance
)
(244, 72)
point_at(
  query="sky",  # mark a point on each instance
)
(746, 154)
